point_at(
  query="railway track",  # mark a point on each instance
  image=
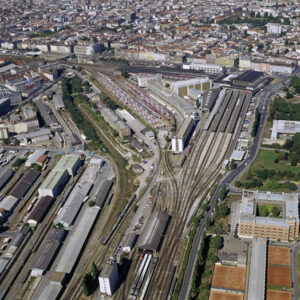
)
(201, 171)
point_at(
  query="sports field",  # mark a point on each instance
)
(278, 295)
(279, 255)
(278, 275)
(229, 277)
(216, 295)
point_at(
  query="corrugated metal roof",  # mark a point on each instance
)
(76, 241)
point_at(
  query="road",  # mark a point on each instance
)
(263, 108)
(295, 250)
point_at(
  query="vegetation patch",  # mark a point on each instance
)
(272, 170)
(269, 210)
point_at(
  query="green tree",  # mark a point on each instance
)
(275, 212)
(124, 74)
(256, 123)
(237, 183)
(216, 242)
(87, 284)
(232, 165)
(95, 271)
(223, 192)
(262, 211)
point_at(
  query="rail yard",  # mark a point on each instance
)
(124, 209)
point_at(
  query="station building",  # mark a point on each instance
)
(284, 228)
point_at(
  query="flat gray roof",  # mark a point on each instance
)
(153, 232)
(256, 290)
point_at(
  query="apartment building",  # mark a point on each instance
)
(284, 227)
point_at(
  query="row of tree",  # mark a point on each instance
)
(256, 123)
(81, 122)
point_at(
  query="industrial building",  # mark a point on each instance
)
(71, 208)
(284, 228)
(17, 241)
(153, 232)
(284, 127)
(257, 277)
(47, 251)
(115, 122)
(4, 179)
(40, 210)
(74, 245)
(7, 206)
(182, 87)
(4, 106)
(34, 157)
(54, 183)
(56, 180)
(108, 279)
(210, 98)
(24, 184)
(70, 163)
(135, 124)
(180, 140)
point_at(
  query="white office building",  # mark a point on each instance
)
(108, 279)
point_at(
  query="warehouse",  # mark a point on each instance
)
(115, 122)
(180, 140)
(75, 243)
(3, 263)
(284, 127)
(7, 205)
(56, 180)
(40, 210)
(47, 251)
(71, 163)
(70, 210)
(34, 157)
(103, 193)
(17, 241)
(153, 232)
(54, 183)
(4, 179)
(25, 183)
